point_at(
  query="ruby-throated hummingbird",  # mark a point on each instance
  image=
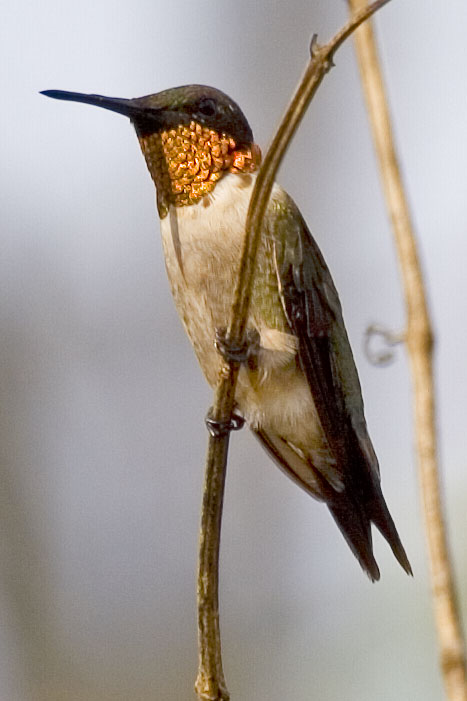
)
(298, 389)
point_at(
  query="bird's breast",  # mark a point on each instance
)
(203, 246)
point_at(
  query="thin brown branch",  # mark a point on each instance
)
(419, 339)
(210, 684)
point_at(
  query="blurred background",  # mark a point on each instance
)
(102, 403)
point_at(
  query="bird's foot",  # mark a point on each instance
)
(222, 428)
(239, 354)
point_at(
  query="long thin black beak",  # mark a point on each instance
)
(146, 118)
(116, 104)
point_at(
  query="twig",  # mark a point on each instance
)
(419, 339)
(390, 339)
(210, 683)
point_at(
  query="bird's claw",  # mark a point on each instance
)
(238, 354)
(218, 429)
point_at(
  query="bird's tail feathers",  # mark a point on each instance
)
(356, 529)
(354, 509)
(380, 516)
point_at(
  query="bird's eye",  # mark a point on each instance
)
(207, 107)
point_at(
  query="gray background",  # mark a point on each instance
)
(102, 402)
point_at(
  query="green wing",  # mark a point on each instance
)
(311, 305)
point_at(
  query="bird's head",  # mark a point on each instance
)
(191, 136)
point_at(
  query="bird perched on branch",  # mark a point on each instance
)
(298, 387)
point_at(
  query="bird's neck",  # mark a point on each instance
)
(185, 163)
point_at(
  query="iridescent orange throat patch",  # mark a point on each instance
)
(187, 162)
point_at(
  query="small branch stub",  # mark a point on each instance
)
(390, 339)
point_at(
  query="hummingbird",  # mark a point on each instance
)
(298, 387)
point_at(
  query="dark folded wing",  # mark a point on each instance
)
(313, 311)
